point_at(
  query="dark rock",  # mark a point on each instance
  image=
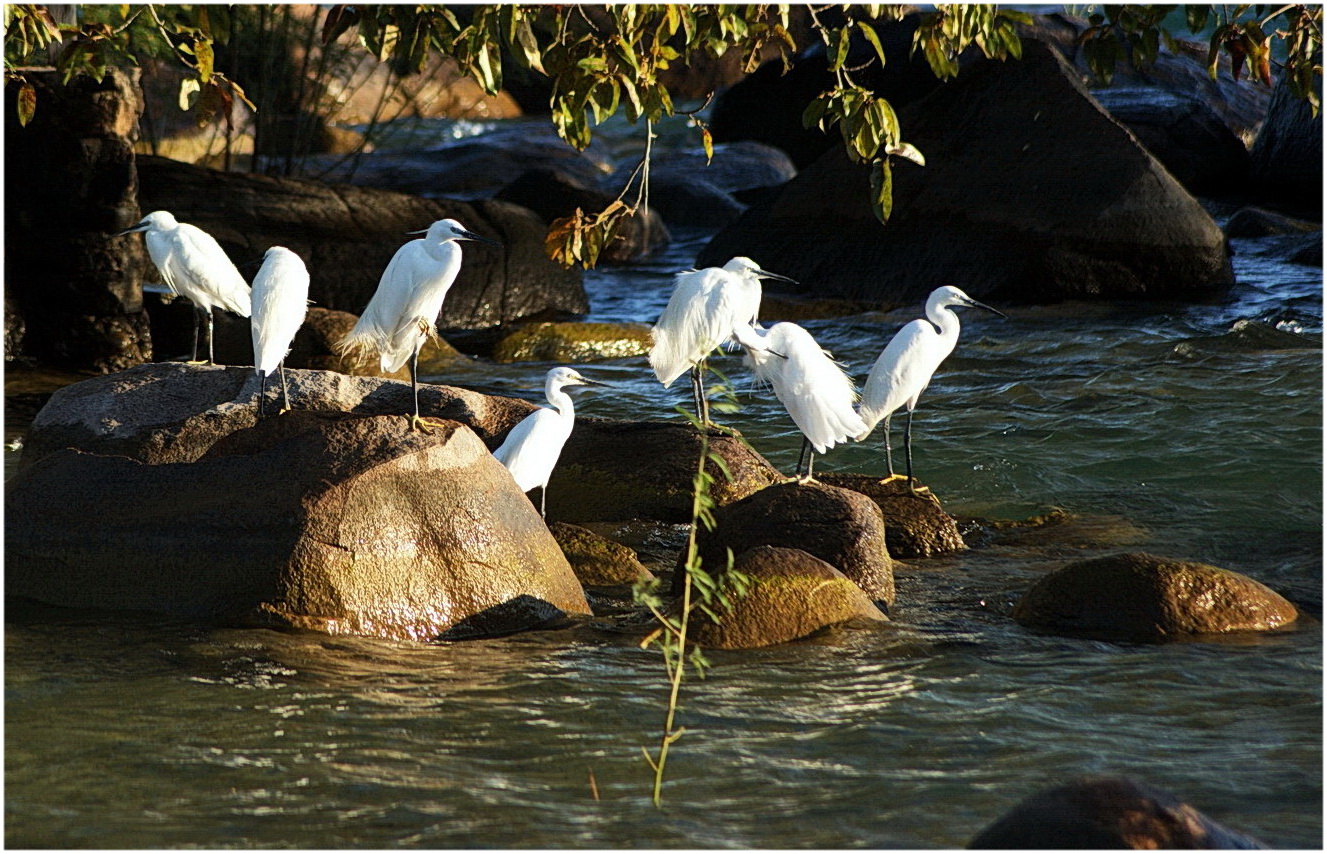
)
(1287, 156)
(841, 527)
(553, 195)
(15, 328)
(347, 235)
(1308, 251)
(915, 526)
(798, 309)
(693, 202)
(572, 342)
(1107, 813)
(1138, 596)
(596, 560)
(73, 287)
(1031, 193)
(173, 412)
(1260, 222)
(619, 470)
(1185, 134)
(321, 521)
(792, 595)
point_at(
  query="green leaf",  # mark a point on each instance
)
(869, 31)
(27, 103)
(907, 151)
(882, 189)
(529, 45)
(814, 113)
(707, 141)
(203, 51)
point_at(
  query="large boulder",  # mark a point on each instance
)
(1030, 193)
(1107, 813)
(1138, 596)
(791, 595)
(1287, 155)
(841, 527)
(572, 341)
(347, 235)
(915, 525)
(597, 560)
(322, 521)
(169, 412)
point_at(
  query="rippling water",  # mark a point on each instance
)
(1155, 424)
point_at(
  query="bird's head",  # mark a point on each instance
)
(950, 295)
(449, 229)
(559, 377)
(155, 221)
(744, 266)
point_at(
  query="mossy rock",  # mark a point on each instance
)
(573, 342)
(1139, 596)
(915, 525)
(792, 595)
(597, 560)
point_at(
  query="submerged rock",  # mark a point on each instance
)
(1107, 813)
(915, 526)
(572, 342)
(792, 595)
(597, 560)
(1030, 193)
(323, 521)
(1139, 596)
(841, 527)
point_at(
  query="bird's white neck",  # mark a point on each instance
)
(945, 320)
(559, 399)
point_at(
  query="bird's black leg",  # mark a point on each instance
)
(889, 451)
(416, 423)
(285, 391)
(211, 360)
(543, 496)
(808, 455)
(698, 389)
(262, 394)
(198, 322)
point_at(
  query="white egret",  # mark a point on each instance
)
(533, 446)
(280, 301)
(195, 266)
(401, 314)
(705, 310)
(905, 366)
(816, 391)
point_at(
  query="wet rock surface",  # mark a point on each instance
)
(915, 525)
(572, 342)
(792, 594)
(1139, 596)
(597, 560)
(1108, 813)
(324, 521)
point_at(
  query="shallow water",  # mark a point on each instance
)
(1154, 424)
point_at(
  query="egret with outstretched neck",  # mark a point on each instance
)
(531, 450)
(816, 391)
(280, 301)
(401, 315)
(707, 308)
(193, 265)
(905, 367)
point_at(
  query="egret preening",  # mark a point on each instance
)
(280, 301)
(533, 446)
(708, 308)
(194, 265)
(400, 316)
(815, 390)
(906, 365)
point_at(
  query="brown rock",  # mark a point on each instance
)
(572, 342)
(596, 560)
(1138, 596)
(841, 527)
(915, 525)
(1107, 813)
(322, 521)
(792, 594)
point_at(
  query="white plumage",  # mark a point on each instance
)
(280, 301)
(708, 308)
(531, 449)
(905, 367)
(816, 391)
(193, 265)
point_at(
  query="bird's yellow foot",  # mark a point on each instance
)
(197, 362)
(424, 425)
(892, 478)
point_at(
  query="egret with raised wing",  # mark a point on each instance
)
(193, 265)
(531, 449)
(400, 316)
(816, 391)
(280, 301)
(905, 367)
(708, 308)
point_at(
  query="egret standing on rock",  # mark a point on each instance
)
(280, 301)
(194, 265)
(905, 366)
(533, 446)
(708, 308)
(815, 390)
(400, 317)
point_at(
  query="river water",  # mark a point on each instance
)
(1167, 428)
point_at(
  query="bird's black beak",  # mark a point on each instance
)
(765, 274)
(593, 382)
(975, 304)
(470, 235)
(142, 226)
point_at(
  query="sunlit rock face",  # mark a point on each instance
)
(324, 521)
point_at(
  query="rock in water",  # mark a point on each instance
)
(1138, 596)
(915, 526)
(597, 560)
(1031, 192)
(1107, 813)
(792, 595)
(323, 521)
